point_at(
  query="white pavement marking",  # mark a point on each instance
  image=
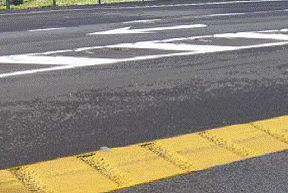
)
(53, 60)
(212, 3)
(230, 14)
(127, 30)
(186, 38)
(19, 73)
(223, 14)
(69, 62)
(142, 21)
(171, 46)
(47, 29)
(270, 31)
(253, 35)
(49, 52)
(283, 30)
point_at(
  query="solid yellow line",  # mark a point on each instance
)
(140, 163)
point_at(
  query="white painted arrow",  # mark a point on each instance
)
(127, 30)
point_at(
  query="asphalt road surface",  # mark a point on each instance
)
(55, 113)
(262, 174)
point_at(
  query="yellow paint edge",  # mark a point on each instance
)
(238, 149)
(113, 168)
(274, 132)
(105, 167)
(169, 155)
(30, 179)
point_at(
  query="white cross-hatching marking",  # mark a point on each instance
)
(68, 62)
(128, 30)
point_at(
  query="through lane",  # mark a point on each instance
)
(53, 114)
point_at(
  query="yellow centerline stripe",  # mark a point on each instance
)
(140, 163)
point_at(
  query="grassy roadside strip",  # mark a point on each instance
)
(33, 4)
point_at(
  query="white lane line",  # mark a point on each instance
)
(185, 38)
(274, 31)
(49, 52)
(127, 30)
(224, 14)
(46, 29)
(270, 31)
(215, 3)
(199, 4)
(83, 64)
(88, 48)
(229, 14)
(63, 51)
(52, 60)
(142, 21)
(171, 46)
(253, 35)
(263, 45)
(283, 30)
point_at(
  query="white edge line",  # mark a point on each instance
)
(140, 7)
(223, 14)
(49, 52)
(46, 29)
(142, 21)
